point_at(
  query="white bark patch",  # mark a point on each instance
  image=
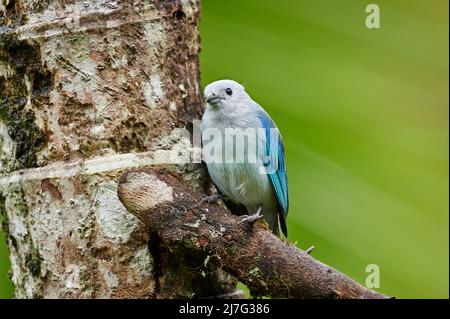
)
(98, 130)
(115, 222)
(115, 162)
(15, 269)
(181, 150)
(183, 90)
(175, 148)
(7, 149)
(142, 264)
(101, 102)
(155, 35)
(188, 7)
(82, 72)
(153, 91)
(48, 227)
(216, 233)
(6, 70)
(173, 106)
(28, 105)
(193, 225)
(110, 278)
(73, 276)
(18, 227)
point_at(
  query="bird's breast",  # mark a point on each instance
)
(234, 153)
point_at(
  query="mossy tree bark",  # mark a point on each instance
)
(88, 89)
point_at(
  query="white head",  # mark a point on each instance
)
(225, 94)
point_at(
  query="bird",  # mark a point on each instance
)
(258, 183)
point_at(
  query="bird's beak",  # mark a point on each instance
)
(214, 99)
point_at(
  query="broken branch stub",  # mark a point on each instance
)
(250, 252)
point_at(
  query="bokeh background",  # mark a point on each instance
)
(364, 117)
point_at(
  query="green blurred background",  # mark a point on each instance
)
(364, 117)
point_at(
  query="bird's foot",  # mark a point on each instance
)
(309, 250)
(251, 219)
(211, 199)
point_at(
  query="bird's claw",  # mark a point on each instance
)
(251, 219)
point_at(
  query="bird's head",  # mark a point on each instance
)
(224, 94)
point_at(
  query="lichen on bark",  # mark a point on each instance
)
(23, 86)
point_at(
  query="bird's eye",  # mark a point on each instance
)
(229, 91)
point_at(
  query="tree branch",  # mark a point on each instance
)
(248, 251)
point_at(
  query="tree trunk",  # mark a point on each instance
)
(88, 89)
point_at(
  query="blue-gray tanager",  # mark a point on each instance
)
(259, 181)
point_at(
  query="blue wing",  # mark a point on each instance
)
(277, 177)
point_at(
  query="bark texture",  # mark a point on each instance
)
(266, 264)
(87, 89)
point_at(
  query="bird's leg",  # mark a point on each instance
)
(252, 218)
(211, 199)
